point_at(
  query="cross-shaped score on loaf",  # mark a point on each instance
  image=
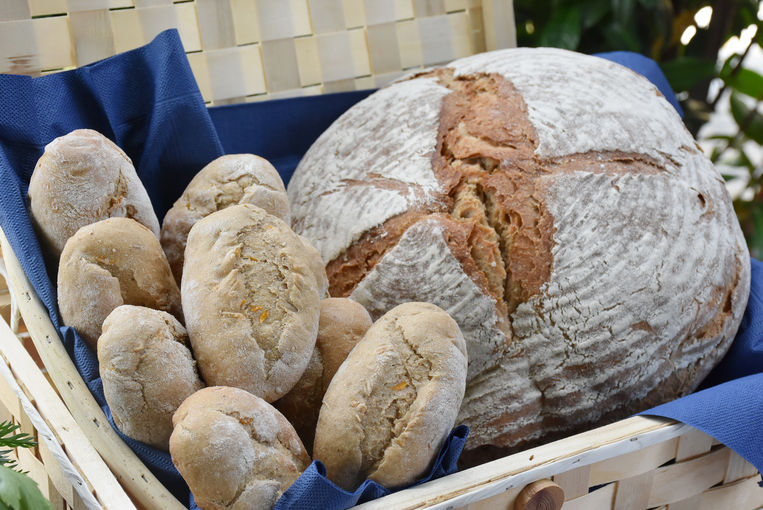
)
(557, 208)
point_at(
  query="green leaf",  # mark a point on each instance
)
(593, 11)
(685, 72)
(751, 122)
(19, 492)
(745, 81)
(563, 29)
(620, 38)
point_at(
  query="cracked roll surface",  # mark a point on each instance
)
(113, 262)
(147, 371)
(341, 325)
(235, 450)
(81, 178)
(251, 301)
(557, 208)
(394, 400)
(228, 180)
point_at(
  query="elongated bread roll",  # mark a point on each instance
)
(394, 399)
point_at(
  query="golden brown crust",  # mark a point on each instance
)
(81, 178)
(235, 450)
(228, 180)
(147, 371)
(252, 301)
(110, 263)
(342, 324)
(388, 423)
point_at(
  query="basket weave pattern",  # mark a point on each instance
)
(248, 50)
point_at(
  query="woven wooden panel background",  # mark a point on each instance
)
(248, 50)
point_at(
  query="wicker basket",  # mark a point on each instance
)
(637, 463)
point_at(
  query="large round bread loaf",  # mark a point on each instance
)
(555, 205)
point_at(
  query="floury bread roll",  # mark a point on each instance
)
(251, 301)
(147, 371)
(81, 178)
(235, 450)
(342, 324)
(394, 399)
(113, 262)
(228, 180)
(556, 207)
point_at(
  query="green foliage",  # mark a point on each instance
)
(17, 490)
(654, 28)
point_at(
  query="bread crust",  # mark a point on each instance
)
(147, 371)
(228, 180)
(389, 423)
(235, 450)
(109, 263)
(342, 324)
(252, 301)
(81, 178)
(586, 247)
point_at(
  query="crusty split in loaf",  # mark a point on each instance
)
(81, 178)
(342, 324)
(394, 400)
(252, 301)
(147, 371)
(109, 263)
(235, 451)
(557, 208)
(228, 180)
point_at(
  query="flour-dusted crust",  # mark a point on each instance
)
(394, 400)
(81, 178)
(147, 371)
(228, 180)
(235, 450)
(342, 323)
(252, 301)
(587, 248)
(113, 262)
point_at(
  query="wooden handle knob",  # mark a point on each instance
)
(540, 495)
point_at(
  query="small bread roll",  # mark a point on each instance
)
(342, 324)
(235, 450)
(81, 178)
(228, 180)
(252, 301)
(147, 371)
(394, 400)
(113, 262)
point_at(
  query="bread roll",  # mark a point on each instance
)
(235, 450)
(394, 399)
(113, 262)
(252, 301)
(556, 207)
(342, 324)
(81, 178)
(147, 371)
(228, 180)
(317, 267)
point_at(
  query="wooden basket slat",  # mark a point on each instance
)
(574, 482)
(599, 499)
(246, 50)
(693, 444)
(738, 468)
(684, 479)
(633, 464)
(633, 493)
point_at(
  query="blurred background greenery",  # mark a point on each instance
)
(709, 51)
